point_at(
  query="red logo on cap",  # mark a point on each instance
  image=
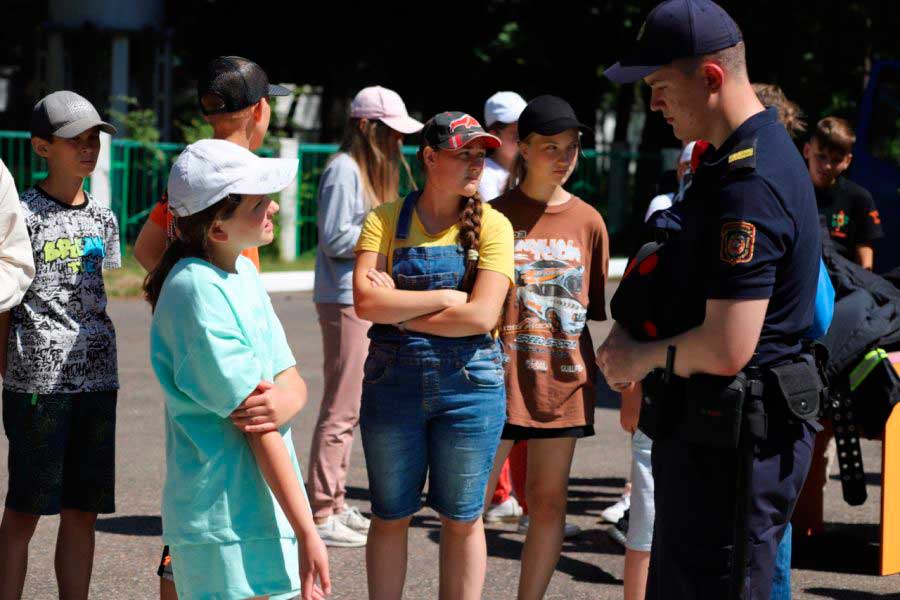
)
(464, 121)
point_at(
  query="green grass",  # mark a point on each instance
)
(304, 262)
(127, 281)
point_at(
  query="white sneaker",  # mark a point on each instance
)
(352, 518)
(336, 534)
(571, 529)
(505, 512)
(612, 514)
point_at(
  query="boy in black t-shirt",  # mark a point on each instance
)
(848, 211)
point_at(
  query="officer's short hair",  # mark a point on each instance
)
(834, 134)
(733, 60)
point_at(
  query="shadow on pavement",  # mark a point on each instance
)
(357, 493)
(850, 548)
(142, 525)
(506, 544)
(871, 478)
(838, 594)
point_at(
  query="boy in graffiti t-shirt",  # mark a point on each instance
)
(61, 379)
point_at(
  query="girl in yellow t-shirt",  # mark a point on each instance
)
(432, 273)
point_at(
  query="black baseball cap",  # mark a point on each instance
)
(548, 115)
(676, 29)
(232, 83)
(453, 129)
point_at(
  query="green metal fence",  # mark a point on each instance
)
(26, 167)
(139, 172)
(589, 182)
(138, 176)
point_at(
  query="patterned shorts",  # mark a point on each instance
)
(61, 451)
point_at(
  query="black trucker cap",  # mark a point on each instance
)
(548, 115)
(232, 83)
(676, 29)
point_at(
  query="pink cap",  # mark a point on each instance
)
(385, 105)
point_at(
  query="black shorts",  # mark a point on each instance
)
(61, 451)
(519, 433)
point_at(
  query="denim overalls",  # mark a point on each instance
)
(430, 404)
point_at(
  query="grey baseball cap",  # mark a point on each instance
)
(66, 115)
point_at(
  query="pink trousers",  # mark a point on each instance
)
(345, 347)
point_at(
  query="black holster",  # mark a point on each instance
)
(707, 410)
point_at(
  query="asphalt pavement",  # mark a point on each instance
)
(841, 565)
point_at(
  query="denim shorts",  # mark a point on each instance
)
(435, 410)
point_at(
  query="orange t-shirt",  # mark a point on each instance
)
(162, 217)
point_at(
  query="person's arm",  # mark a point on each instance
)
(16, 258)
(4, 341)
(630, 412)
(150, 245)
(271, 405)
(722, 345)
(276, 466)
(865, 256)
(338, 233)
(479, 315)
(386, 304)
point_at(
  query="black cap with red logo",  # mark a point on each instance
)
(453, 129)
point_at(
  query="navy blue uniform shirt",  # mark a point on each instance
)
(760, 234)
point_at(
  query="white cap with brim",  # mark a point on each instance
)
(503, 107)
(210, 170)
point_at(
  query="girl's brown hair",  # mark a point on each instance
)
(379, 156)
(470, 212)
(192, 240)
(789, 113)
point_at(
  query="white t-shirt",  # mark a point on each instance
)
(16, 260)
(493, 180)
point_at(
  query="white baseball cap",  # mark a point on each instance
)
(503, 107)
(209, 170)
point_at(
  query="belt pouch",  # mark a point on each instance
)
(800, 386)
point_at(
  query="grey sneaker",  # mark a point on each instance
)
(336, 534)
(352, 518)
(571, 530)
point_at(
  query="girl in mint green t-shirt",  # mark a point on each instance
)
(235, 516)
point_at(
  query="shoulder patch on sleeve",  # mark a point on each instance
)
(737, 241)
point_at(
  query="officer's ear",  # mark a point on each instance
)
(713, 76)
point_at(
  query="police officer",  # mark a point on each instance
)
(731, 295)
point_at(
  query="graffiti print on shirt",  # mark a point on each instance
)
(61, 339)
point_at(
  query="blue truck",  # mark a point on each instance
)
(876, 156)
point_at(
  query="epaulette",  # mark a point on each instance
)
(743, 158)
